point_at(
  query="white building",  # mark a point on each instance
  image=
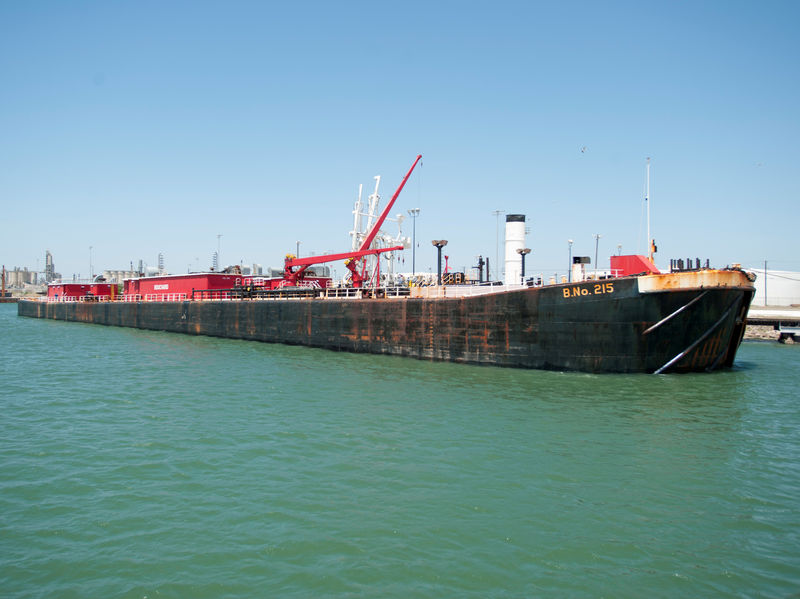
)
(776, 287)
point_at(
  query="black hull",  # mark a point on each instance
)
(585, 327)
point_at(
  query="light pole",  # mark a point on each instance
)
(597, 237)
(297, 254)
(497, 214)
(439, 244)
(414, 213)
(523, 252)
(569, 266)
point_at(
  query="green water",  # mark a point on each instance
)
(142, 464)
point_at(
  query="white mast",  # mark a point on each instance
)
(647, 201)
(374, 201)
(357, 220)
(372, 217)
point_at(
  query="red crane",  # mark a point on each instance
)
(353, 259)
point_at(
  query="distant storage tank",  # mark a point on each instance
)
(515, 240)
(118, 276)
(319, 270)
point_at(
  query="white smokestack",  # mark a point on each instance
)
(515, 240)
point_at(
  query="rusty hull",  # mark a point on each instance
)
(633, 324)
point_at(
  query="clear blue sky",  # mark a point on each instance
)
(146, 127)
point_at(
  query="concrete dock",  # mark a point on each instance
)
(778, 323)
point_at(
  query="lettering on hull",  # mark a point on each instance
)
(584, 290)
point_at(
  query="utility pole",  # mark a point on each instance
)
(597, 237)
(414, 213)
(569, 265)
(497, 214)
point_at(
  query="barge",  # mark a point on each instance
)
(632, 319)
(676, 322)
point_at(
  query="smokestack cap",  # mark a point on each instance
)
(515, 218)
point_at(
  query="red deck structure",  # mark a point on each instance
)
(623, 266)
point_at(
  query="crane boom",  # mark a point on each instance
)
(334, 257)
(352, 257)
(376, 227)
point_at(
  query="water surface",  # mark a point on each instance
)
(144, 464)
